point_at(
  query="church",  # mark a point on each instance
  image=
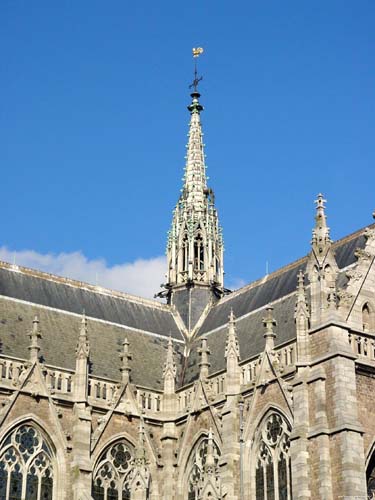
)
(264, 393)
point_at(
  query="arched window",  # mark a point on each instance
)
(272, 461)
(185, 253)
(196, 468)
(367, 318)
(112, 474)
(26, 470)
(198, 253)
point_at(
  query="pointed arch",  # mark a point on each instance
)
(112, 473)
(29, 467)
(368, 317)
(195, 480)
(183, 254)
(269, 458)
(187, 461)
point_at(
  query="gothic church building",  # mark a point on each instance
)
(265, 393)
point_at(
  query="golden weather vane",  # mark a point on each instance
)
(197, 51)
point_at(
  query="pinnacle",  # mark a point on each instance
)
(204, 353)
(320, 232)
(125, 357)
(34, 335)
(269, 323)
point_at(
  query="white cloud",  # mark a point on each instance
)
(236, 283)
(141, 277)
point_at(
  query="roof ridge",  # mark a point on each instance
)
(285, 268)
(83, 285)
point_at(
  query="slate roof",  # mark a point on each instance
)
(276, 285)
(59, 339)
(147, 324)
(69, 295)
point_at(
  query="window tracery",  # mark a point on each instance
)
(199, 253)
(112, 476)
(272, 463)
(197, 472)
(26, 469)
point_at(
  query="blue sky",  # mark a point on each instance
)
(93, 126)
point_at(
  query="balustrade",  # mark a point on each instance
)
(363, 346)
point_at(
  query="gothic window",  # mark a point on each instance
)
(196, 468)
(26, 470)
(272, 461)
(185, 253)
(111, 478)
(367, 318)
(199, 253)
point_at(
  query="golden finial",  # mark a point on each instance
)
(197, 51)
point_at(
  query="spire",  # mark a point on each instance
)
(125, 357)
(322, 267)
(169, 372)
(195, 243)
(204, 364)
(321, 240)
(269, 323)
(34, 335)
(195, 181)
(83, 346)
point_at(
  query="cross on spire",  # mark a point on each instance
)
(196, 53)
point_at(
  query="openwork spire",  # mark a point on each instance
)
(195, 244)
(34, 335)
(195, 181)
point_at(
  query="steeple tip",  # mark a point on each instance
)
(320, 234)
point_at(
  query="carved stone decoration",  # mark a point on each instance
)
(369, 235)
(354, 275)
(345, 298)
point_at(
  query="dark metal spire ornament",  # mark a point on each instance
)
(196, 53)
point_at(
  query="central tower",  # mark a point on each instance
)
(195, 244)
